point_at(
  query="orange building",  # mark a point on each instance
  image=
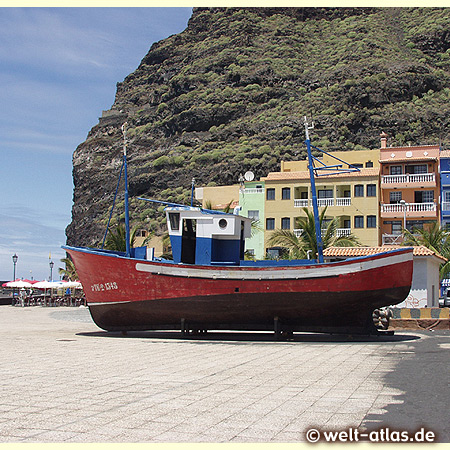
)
(409, 188)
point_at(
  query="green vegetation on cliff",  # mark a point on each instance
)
(229, 94)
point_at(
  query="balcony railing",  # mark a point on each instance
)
(409, 178)
(343, 232)
(392, 239)
(344, 201)
(298, 231)
(300, 203)
(253, 190)
(408, 207)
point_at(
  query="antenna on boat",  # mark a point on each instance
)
(192, 192)
(127, 215)
(314, 193)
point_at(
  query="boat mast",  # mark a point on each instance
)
(314, 194)
(127, 215)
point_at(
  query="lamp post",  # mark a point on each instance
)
(51, 264)
(14, 258)
(403, 203)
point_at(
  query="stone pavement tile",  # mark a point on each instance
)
(287, 436)
(272, 423)
(342, 421)
(261, 433)
(308, 419)
(247, 439)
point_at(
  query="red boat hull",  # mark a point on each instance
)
(130, 294)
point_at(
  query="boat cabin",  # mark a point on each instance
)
(206, 237)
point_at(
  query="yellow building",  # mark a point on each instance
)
(359, 158)
(218, 197)
(353, 197)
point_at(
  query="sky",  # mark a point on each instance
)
(58, 71)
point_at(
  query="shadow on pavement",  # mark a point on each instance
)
(422, 379)
(253, 337)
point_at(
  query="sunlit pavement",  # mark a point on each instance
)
(65, 380)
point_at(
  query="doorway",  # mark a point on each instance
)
(188, 241)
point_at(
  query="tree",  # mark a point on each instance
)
(70, 272)
(436, 239)
(116, 240)
(298, 247)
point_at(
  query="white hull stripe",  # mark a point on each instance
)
(287, 273)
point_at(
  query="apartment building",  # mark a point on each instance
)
(352, 197)
(252, 203)
(409, 188)
(445, 188)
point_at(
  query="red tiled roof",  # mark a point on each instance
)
(366, 251)
(404, 159)
(304, 175)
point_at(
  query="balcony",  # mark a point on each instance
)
(344, 201)
(392, 239)
(445, 206)
(343, 232)
(300, 203)
(428, 209)
(416, 180)
(253, 191)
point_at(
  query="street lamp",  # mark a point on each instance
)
(51, 264)
(403, 203)
(14, 258)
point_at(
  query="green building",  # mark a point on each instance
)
(251, 201)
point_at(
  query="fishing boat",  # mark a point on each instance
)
(209, 286)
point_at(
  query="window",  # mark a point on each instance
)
(286, 193)
(359, 190)
(395, 197)
(325, 193)
(270, 193)
(359, 221)
(285, 223)
(416, 169)
(423, 196)
(371, 190)
(254, 215)
(369, 164)
(174, 220)
(396, 228)
(446, 196)
(371, 221)
(270, 224)
(358, 165)
(395, 170)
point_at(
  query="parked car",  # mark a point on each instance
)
(444, 301)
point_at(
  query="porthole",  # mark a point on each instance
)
(223, 223)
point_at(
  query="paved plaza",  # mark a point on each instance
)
(65, 380)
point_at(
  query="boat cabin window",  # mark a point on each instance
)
(174, 219)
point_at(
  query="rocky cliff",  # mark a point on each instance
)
(229, 94)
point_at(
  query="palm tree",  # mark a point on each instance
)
(298, 247)
(436, 239)
(69, 272)
(116, 240)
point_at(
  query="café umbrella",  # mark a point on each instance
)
(18, 284)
